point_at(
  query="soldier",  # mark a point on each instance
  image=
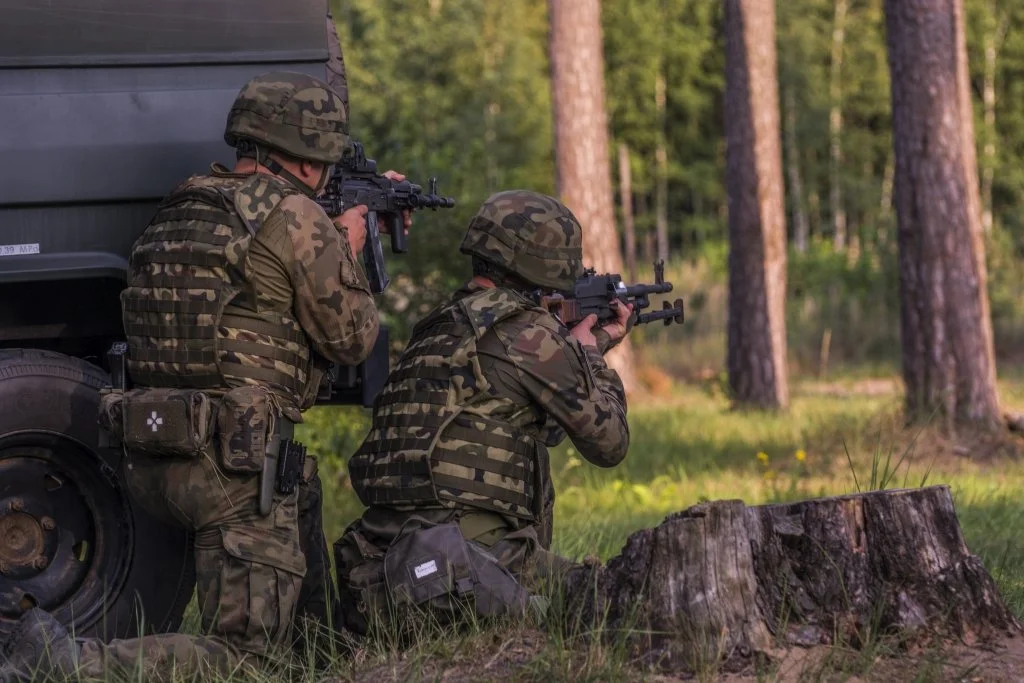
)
(241, 290)
(457, 450)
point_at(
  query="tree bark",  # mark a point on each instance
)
(801, 230)
(757, 232)
(581, 142)
(835, 128)
(728, 582)
(948, 359)
(626, 199)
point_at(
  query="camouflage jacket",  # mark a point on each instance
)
(551, 383)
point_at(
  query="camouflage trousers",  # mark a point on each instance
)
(249, 569)
(359, 554)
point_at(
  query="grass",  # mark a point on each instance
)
(687, 447)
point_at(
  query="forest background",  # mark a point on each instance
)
(460, 89)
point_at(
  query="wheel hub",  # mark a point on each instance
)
(65, 530)
(22, 541)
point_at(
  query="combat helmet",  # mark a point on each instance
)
(291, 112)
(529, 234)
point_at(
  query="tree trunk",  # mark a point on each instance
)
(885, 208)
(993, 40)
(757, 229)
(835, 128)
(581, 142)
(626, 199)
(724, 582)
(801, 230)
(948, 359)
(661, 158)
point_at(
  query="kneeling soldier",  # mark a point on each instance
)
(455, 470)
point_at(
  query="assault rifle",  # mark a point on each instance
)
(354, 181)
(594, 293)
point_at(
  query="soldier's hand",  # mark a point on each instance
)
(407, 214)
(584, 331)
(354, 222)
(622, 324)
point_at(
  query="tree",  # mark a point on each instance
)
(583, 173)
(948, 359)
(757, 229)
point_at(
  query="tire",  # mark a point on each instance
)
(71, 539)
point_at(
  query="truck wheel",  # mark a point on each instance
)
(71, 539)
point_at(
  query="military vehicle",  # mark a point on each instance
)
(105, 106)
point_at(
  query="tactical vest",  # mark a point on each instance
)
(190, 310)
(423, 448)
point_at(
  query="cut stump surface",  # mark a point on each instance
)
(727, 582)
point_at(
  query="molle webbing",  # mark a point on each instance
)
(420, 450)
(189, 314)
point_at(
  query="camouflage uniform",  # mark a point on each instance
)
(243, 288)
(487, 383)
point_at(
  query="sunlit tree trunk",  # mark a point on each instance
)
(661, 159)
(948, 360)
(994, 34)
(581, 142)
(626, 199)
(835, 128)
(757, 232)
(801, 231)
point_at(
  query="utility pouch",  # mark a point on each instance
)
(290, 465)
(245, 422)
(437, 568)
(171, 423)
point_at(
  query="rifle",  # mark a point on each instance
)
(354, 181)
(593, 293)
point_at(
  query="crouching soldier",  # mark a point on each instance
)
(455, 470)
(240, 292)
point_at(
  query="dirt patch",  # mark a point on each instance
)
(864, 387)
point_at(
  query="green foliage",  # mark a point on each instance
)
(446, 89)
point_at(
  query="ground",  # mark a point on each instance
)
(687, 446)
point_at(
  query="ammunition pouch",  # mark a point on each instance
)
(246, 424)
(162, 423)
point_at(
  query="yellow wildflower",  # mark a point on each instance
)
(801, 455)
(763, 457)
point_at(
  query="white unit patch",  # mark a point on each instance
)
(154, 421)
(18, 249)
(425, 569)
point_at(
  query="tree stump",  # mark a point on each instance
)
(727, 582)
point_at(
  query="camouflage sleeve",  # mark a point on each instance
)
(575, 388)
(333, 303)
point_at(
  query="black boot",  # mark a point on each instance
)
(38, 648)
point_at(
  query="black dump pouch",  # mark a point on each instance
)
(171, 423)
(436, 567)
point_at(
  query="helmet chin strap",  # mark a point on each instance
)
(251, 150)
